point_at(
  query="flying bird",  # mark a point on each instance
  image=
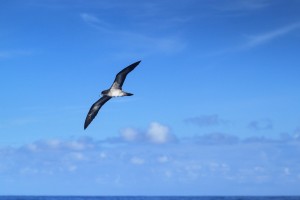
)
(114, 91)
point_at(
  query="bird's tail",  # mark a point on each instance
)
(128, 94)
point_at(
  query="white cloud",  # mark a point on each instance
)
(103, 155)
(137, 161)
(129, 134)
(193, 170)
(259, 169)
(158, 133)
(77, 156)
(240, 163)
(168, 173)
(72, 168)
(32, 147)
(163, 159)
(53, 143)
(78, 145)
(287, 171)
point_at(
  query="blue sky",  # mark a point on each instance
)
(216, 98)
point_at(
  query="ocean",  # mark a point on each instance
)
(149, 198)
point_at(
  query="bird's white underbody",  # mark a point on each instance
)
(115, 93)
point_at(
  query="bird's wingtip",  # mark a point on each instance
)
(85, 125)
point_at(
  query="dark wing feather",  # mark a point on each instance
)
(120, 77)
(95, 109)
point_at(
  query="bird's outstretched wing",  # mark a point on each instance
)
(95, 109)
(120, 77)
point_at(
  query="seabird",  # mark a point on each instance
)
(114, 91)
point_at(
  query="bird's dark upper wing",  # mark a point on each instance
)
(120, 77)
(95, 109)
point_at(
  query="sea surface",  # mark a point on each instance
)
(148, 198)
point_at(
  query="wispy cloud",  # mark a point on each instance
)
(95, 22)
(258, 40)
(89, 18)
(242, 5)
(271, 35)
(133, 40)
(23, 121)
(5, 54)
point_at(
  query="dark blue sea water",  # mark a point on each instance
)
(147, 198)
